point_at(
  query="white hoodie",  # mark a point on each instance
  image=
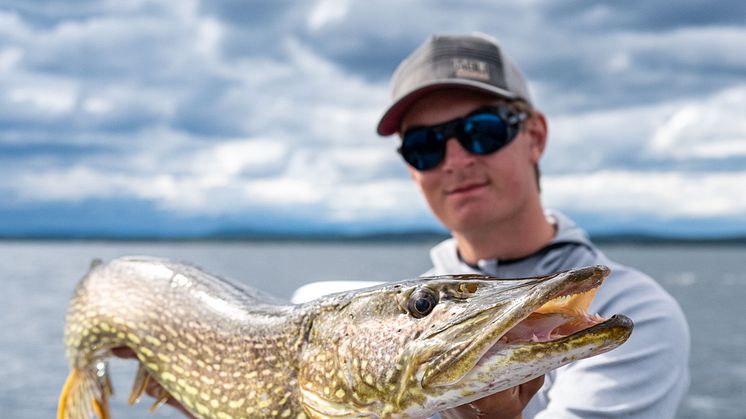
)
(646, 377)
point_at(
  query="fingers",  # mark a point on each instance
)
(527, 390)
(506, 404)
(123, 352)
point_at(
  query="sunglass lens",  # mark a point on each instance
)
(423, 149)
(486, 133)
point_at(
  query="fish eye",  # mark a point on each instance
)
(422, 302)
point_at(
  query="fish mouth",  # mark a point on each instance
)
(561, 313)
(551, 325)
(601, 333)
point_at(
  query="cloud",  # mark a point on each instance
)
(238, 111)
(656, 194)
(641, 15)
(327, 11)
(619, 69)
(59, 99)
(713, 128)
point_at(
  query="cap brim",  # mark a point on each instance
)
(391, 119)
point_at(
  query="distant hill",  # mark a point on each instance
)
(403, 236)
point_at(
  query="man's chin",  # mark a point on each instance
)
(470, 216)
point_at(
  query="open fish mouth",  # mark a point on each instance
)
(562, 326)
(554, 337)
(547, 328)
(561, 316)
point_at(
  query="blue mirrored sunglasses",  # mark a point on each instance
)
(482, 132)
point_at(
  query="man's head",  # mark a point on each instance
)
(463, 87)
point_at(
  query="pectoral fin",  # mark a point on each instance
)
(160, 398)
(141, 383)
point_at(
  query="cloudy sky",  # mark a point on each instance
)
(190, 117)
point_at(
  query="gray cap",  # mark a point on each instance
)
(473, 61)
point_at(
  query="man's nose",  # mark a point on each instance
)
(456, 155)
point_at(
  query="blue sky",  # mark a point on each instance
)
(149, 117)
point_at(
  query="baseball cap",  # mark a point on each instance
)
(472, 61)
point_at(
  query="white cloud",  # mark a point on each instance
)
(284, 191)
(231, 158)
(9, 58)
(353, 161)
(698, 46)
(71, 184)
(581, 142)
(673, 132)
(619, 62)
(388, 199)
(97, 105)
(660, 194)
(325, 12)
(12, 27)
(54, 99)
(209, 36)
(713, 128)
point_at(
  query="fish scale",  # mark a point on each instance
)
(227, 351)
(195, 358)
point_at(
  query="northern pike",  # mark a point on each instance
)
(402, 349)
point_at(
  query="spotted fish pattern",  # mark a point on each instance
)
(228, 351)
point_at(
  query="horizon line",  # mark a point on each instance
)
(405, 236)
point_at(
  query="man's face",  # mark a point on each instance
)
(469, 192)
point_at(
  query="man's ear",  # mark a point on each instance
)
(536, 127)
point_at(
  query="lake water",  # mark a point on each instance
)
(38, 277)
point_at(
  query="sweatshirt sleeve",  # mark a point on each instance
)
(646, 377)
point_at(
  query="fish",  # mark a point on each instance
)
(404, 349)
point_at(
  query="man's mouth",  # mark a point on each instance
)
(465, 188)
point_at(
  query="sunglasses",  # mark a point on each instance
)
(482, 132)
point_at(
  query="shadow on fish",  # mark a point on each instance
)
(403, 349)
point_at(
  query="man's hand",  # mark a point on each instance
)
(507, 404)
(153, 389)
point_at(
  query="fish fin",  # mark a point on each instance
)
(141, 383)
(84, 394)
(142, 378)
(160, 398)
(101, 409)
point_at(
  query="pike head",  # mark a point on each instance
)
(413, 348)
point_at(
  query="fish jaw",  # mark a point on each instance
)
(508, 365)
(519, 355)
(492, 323)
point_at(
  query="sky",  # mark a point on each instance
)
(167, 118)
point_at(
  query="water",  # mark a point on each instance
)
(38, 277)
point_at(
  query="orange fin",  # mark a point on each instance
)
(85, 393)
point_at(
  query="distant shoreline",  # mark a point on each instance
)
(414, 237)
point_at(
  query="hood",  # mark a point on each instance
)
(571, 247)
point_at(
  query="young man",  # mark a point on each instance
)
(484, 187)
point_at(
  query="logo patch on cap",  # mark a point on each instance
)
(469, 68)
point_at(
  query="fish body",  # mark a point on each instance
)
(403, 349)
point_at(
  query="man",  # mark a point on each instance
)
(484, 187)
